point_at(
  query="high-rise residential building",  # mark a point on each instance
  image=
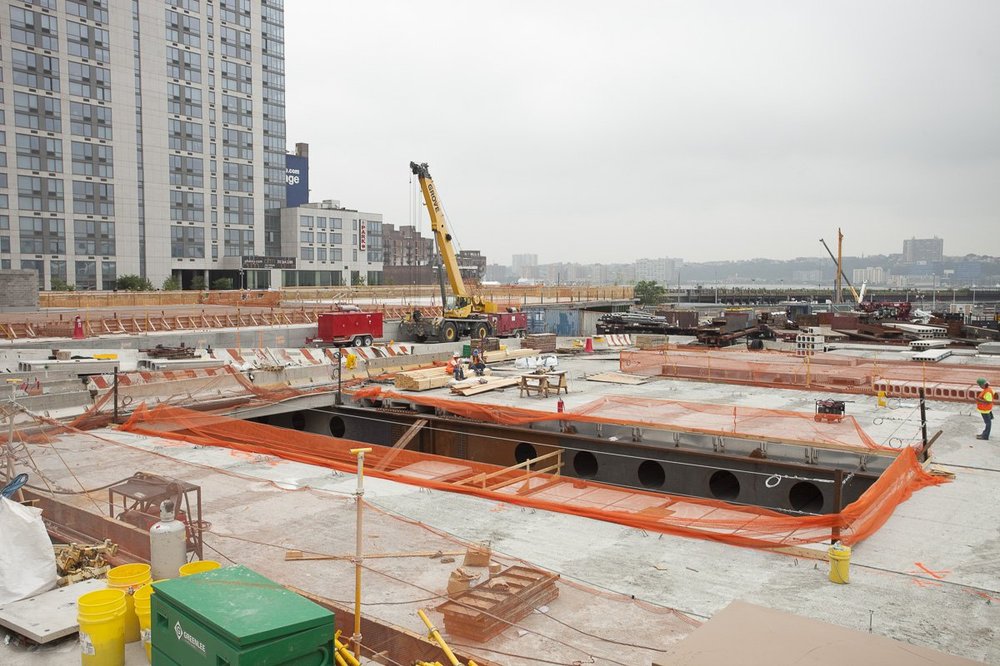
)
(525, 265)
(923, 250)
(141, 138)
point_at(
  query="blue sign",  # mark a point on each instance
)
(296, 180)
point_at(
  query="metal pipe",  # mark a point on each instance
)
(339, 401)
(358, 556)
(838, 502)
(116, 396)
(436, 637)
(343, 655)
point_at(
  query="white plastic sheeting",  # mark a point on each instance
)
(27, 561)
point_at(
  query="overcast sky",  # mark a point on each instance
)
(605, 132)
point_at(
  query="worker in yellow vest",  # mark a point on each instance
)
(984, 403)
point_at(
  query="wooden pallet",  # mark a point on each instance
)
(486, 610)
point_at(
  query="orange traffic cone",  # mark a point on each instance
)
(589, 346)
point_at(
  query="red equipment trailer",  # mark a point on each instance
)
(351, 328)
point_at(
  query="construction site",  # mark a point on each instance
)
(378, 476)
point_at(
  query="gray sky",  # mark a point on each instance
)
(596, 131)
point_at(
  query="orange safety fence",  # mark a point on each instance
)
(693, 517)
(752, 422)
(826, 372)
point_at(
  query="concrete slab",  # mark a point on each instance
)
(744, 633)
(50, 615)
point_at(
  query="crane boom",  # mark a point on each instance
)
(441, 233)
(857, 298)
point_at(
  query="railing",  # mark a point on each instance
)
(480, 479)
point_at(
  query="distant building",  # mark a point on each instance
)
(923, 250)
(807, 277)
(663, 270)
(525, 265)
(333, 245)
(472, 264)
(404, 246)
(873, 275)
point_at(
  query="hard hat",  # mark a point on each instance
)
(982, 382)
(455, 355)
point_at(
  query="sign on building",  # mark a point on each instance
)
(362, 235)
(296, 180)
(255, 261)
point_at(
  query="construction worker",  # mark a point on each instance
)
(455, 367)
(478, 364)
(984, 403)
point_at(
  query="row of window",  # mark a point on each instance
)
(48, 236)
(46, 194)
(85, 272)
(34, 70)
(334, 254)
(321, 237)
(37, 153)
(309, 221)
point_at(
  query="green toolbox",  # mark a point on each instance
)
(235, 617)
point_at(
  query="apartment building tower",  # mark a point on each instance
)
(141, 138)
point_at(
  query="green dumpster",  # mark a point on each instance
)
(235, 617)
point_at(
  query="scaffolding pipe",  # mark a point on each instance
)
(435, 635)
(358, 556)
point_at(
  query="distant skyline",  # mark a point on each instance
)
(707, 131)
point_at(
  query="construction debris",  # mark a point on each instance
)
(75, 563)
(486, 610)
(543, 342)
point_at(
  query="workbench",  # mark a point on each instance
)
(544, 383)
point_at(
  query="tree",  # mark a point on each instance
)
(358, 280)
(134, 283)
(649, 292)
(172, 283)
(198, 283)
(58, 284)
(222, 283)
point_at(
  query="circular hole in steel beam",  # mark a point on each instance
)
(299, 421)
(806, 496)
(585, 464)
(524, 451)
(337, 427)
(724, 485)
(651, 474)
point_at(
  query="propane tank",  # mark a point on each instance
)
(167, 544)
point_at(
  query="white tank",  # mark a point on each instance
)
(167, 544)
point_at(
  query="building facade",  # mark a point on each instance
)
(142, 138)
(405, 246)
(332, 245)
(923, 250)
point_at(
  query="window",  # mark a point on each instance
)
(307, 253)
(321, 238)
(238, 210)
(187, 242)
(235, 11)
(37, 112)
(236, 77)
(86, 275)
(90, 198)
(183, 64)
(321, 254)
(237, 144)
(305, 237)
(336, 239)
(183, 29)
(237, 111)
(235, 43)
(238, 242)
(336, 223)
(39, 153)
(190, 5)
(93, 159)
(184, 100)
(34, 29)
(336, 254)
(86, 41)
(42, 235)
(90, 81)
(109, 274)
(189, 206)
(95, 10)
(238, 177)
(187, 171)
(185, 135)
(38, 266)
(39, 193)
(321, 223)
(57, 270)
(94, 238)
(35, 71)
(90, 120)
(306, 221)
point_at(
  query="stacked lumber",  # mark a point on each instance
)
(474, 385)
(543, 342)
(508, 354)
(486, 610)
(487, 344)
(422, 380)
(651, 341)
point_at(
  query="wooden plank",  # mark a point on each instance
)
(491, 384)
(401, 444)
(618, 378)
(293, 555)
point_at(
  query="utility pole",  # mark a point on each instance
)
(358, 556)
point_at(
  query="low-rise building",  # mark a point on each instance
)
(332, 245)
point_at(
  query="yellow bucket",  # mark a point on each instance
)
(840, 564)
(142, 602)
(101, 617)
(197, 567)
(128, 578)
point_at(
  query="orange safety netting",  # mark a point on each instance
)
(826, 372)
(751, 422)
(707, 519)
